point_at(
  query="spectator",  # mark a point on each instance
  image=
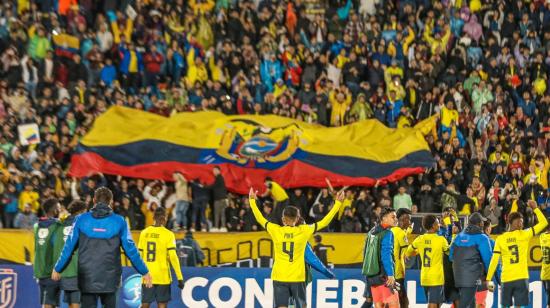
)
(25, 219)
(219, 192)
(189, 251)
(200, 203)
(402, 199)
(11, 207)
(182, 201)
(29, 197)
(492, 211)
(279, 196)
(349, 223)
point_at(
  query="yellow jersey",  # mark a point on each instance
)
(431, 248)
(289, 244)
(277, 192)
(513, 248)
(545, 264)
(448, 115)
(400, 244)
(157, 246)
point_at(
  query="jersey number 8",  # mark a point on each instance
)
(151, 251)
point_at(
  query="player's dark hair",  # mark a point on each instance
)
(403, 211)
(49, 205)
(385, 211)
(514, 216)
(291, 212)
(268, 179)
(76, 206)
(428, 222)
(103, 195)
(160, 213)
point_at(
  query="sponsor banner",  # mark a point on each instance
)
(236, 287)
(251, 249)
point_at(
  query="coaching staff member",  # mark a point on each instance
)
(99, 234)
(471, 254)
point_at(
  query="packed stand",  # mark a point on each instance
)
(482, 68)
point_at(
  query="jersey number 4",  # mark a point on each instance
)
(151, 251)
(288, 248)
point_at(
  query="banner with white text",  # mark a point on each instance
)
(236, 287)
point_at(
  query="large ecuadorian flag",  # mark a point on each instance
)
(248, 148)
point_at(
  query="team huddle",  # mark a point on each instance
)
(457, 266)
(80, 255)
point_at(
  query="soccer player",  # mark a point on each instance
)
(289, 240)
(44, 237)
(383, 284)
(513, 248)
(481, 294)
(69, 276)
(431, 248)
(545, 266)
(157, 245)
(400, 244)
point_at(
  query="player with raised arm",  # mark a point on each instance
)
(290, 240)
(431, 248)
(545, 264)
(513, 248)
(157, 246)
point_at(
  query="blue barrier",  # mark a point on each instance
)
(232, 287)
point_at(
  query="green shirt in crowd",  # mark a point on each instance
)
(402, 201)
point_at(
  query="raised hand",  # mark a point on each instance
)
(252, 194)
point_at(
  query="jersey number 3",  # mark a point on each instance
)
(515, 254)
(151, 251)
(288, 248)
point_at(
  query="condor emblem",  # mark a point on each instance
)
(250, 144)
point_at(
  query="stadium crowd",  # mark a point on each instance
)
(482, 68)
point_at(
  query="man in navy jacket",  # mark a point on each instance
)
(471, 254)
(99, 234)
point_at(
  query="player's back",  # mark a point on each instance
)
(514, 247)
(431, 248)
(399, 245)
(545, 264)
(44, 232)
(154, 244)
(289, 244)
